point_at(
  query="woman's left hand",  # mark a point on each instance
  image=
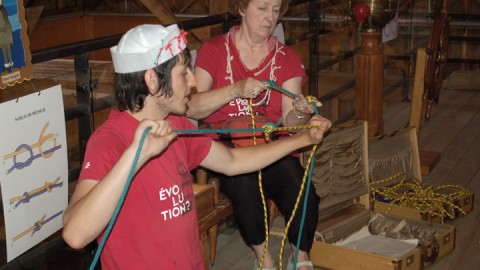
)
(301, 106)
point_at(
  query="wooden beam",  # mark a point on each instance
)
(32, 14)
(160, 11)
(173, 7)
(188, 5)
(139, 6)
(110, 4)
(218, 6)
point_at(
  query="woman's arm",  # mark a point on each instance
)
(205, 102)
(296, 111)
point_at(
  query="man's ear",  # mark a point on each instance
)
(151, 80)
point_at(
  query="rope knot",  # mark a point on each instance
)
(268, 128)
(48, 187)
(311, 99)
(37, 226)
(27, 197)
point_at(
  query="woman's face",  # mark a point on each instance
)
(261, 16)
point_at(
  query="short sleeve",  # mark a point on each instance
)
(207, 56)
(102, 152)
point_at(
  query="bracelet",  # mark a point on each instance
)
(300, 115)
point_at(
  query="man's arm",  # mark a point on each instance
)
(93, 202)
(233, 161)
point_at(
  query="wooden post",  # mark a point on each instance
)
(416, 108)
(428, 159)
(369, 91)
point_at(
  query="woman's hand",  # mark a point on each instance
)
(249, 88)
(302, 108)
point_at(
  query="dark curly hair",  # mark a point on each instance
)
(236, 5)
(131, 89)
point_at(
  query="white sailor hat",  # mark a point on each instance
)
(147, 46)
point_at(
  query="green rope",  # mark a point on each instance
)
(272, 85)
(121, 200)
(266, 127)
(230, 130)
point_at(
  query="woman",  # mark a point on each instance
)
(231, 69)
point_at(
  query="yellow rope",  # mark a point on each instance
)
(429, 199)
(46, 186)
(297, 202)
(268, 129)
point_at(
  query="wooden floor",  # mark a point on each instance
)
(454, 132)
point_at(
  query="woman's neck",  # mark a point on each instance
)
(252, 51)
(245, 40)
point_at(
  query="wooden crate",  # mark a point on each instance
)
(204, 200)
(341, 180)
(394, 165)
(205, 204)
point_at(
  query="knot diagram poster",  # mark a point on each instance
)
(34, 168)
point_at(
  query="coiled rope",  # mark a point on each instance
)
(411, 194)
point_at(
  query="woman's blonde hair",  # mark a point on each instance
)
(241, 5)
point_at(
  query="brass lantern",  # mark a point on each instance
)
(381, 12)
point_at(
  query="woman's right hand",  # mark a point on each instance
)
(249, 88)
(157, 140)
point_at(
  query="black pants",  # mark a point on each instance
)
(281, 183)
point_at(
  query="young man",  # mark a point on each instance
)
(157, 225)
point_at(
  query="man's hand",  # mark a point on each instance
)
(157, 140)
(321, 125)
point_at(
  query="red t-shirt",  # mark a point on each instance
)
(157, 226)
(281, 64)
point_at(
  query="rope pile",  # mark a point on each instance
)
(437, 201)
